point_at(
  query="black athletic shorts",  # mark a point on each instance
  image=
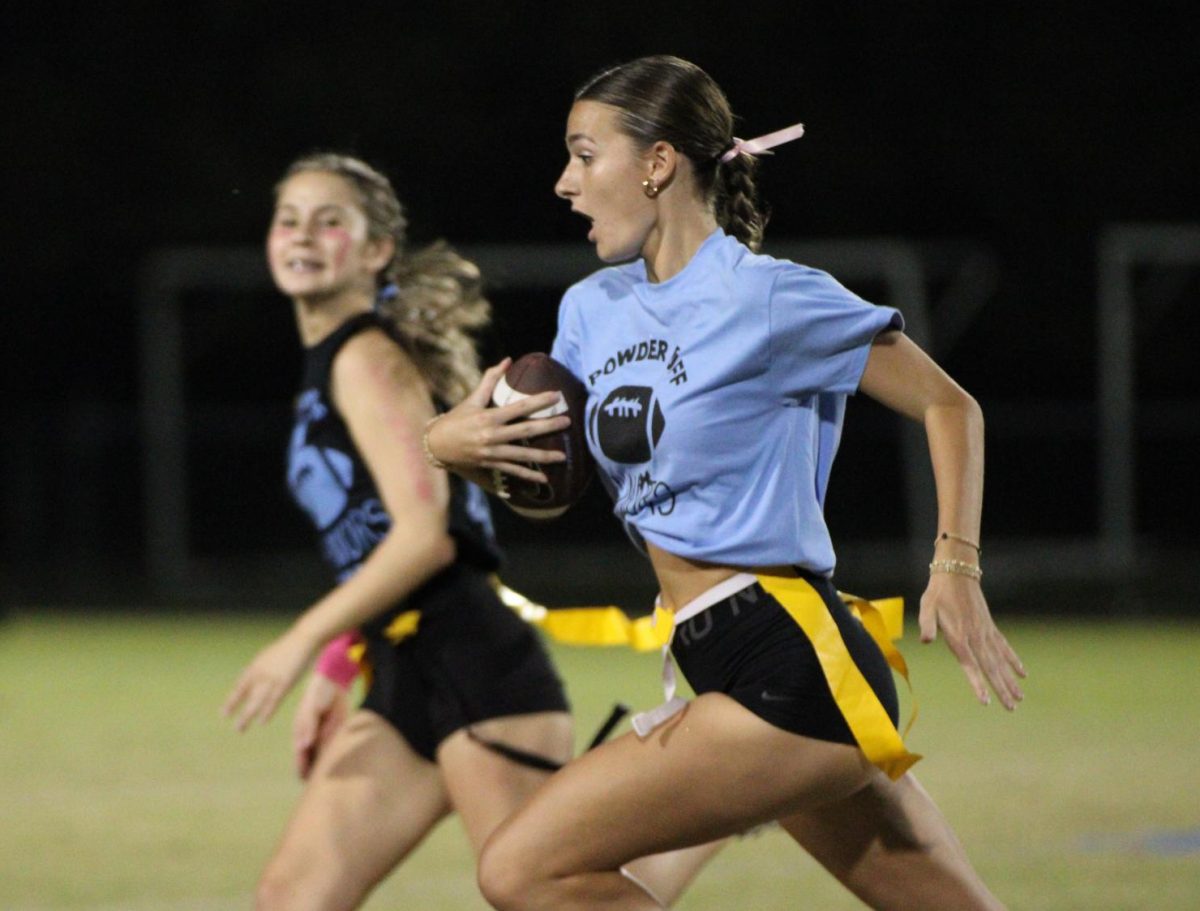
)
(752, 648)
(454, 655)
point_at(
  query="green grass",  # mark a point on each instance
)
(121, 788)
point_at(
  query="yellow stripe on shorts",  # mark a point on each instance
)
(403, 626)
(868, 720)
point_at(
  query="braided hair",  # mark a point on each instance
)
(670, 99)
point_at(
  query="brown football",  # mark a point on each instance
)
(529, 375)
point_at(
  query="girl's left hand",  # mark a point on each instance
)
(955, 605)
(265, 682)
(323, 709)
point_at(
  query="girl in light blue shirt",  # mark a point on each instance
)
(717, 381)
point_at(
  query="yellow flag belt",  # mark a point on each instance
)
(882, 618)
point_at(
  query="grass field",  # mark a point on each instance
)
(121, 789)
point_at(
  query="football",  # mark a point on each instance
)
(527, 376)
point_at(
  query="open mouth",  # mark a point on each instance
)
(591, 236)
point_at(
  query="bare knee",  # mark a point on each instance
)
(503, 879)
(891, 846)
(276, 890)
(285, 887)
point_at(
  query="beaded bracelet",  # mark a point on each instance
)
(957, 567)
(951, 536)
(434, 461)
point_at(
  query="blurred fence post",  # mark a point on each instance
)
(1122, 249)
(166, 278)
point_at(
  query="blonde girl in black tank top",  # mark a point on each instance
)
(452, 670)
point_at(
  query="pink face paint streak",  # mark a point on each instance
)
(342, 242)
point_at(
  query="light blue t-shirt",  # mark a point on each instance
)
(716, 398)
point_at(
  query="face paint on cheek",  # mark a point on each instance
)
(341, 245)
(277, 237)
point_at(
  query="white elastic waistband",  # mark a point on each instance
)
(718, 592)
(645, 722)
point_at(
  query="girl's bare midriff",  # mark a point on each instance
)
(681, 580)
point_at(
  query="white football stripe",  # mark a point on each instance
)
(504, 394)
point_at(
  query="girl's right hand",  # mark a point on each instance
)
(955, 606)
(474, 439)
(323, 709)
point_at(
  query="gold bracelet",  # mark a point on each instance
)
(957, 567)
(951, 536)
(434, 461)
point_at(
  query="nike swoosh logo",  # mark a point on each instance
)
(768, 696)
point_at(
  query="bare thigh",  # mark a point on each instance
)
(485, 787)
(369, 801)
(890, 845)
(714, 770)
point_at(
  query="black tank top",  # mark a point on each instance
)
(330, 482)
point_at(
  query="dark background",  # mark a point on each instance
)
(1024, 128)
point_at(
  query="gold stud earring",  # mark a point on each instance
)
(650, 188)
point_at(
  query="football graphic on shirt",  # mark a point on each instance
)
(628, 424)
(320, 479)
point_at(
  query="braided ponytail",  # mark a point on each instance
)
(433, 298)
(737, 207)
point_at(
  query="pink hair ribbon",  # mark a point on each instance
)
(760, 145)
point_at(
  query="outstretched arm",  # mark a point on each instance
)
(901, 376)
(325, 705)
(385, 403)
(322, 710)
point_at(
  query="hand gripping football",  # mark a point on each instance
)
(527, 376)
